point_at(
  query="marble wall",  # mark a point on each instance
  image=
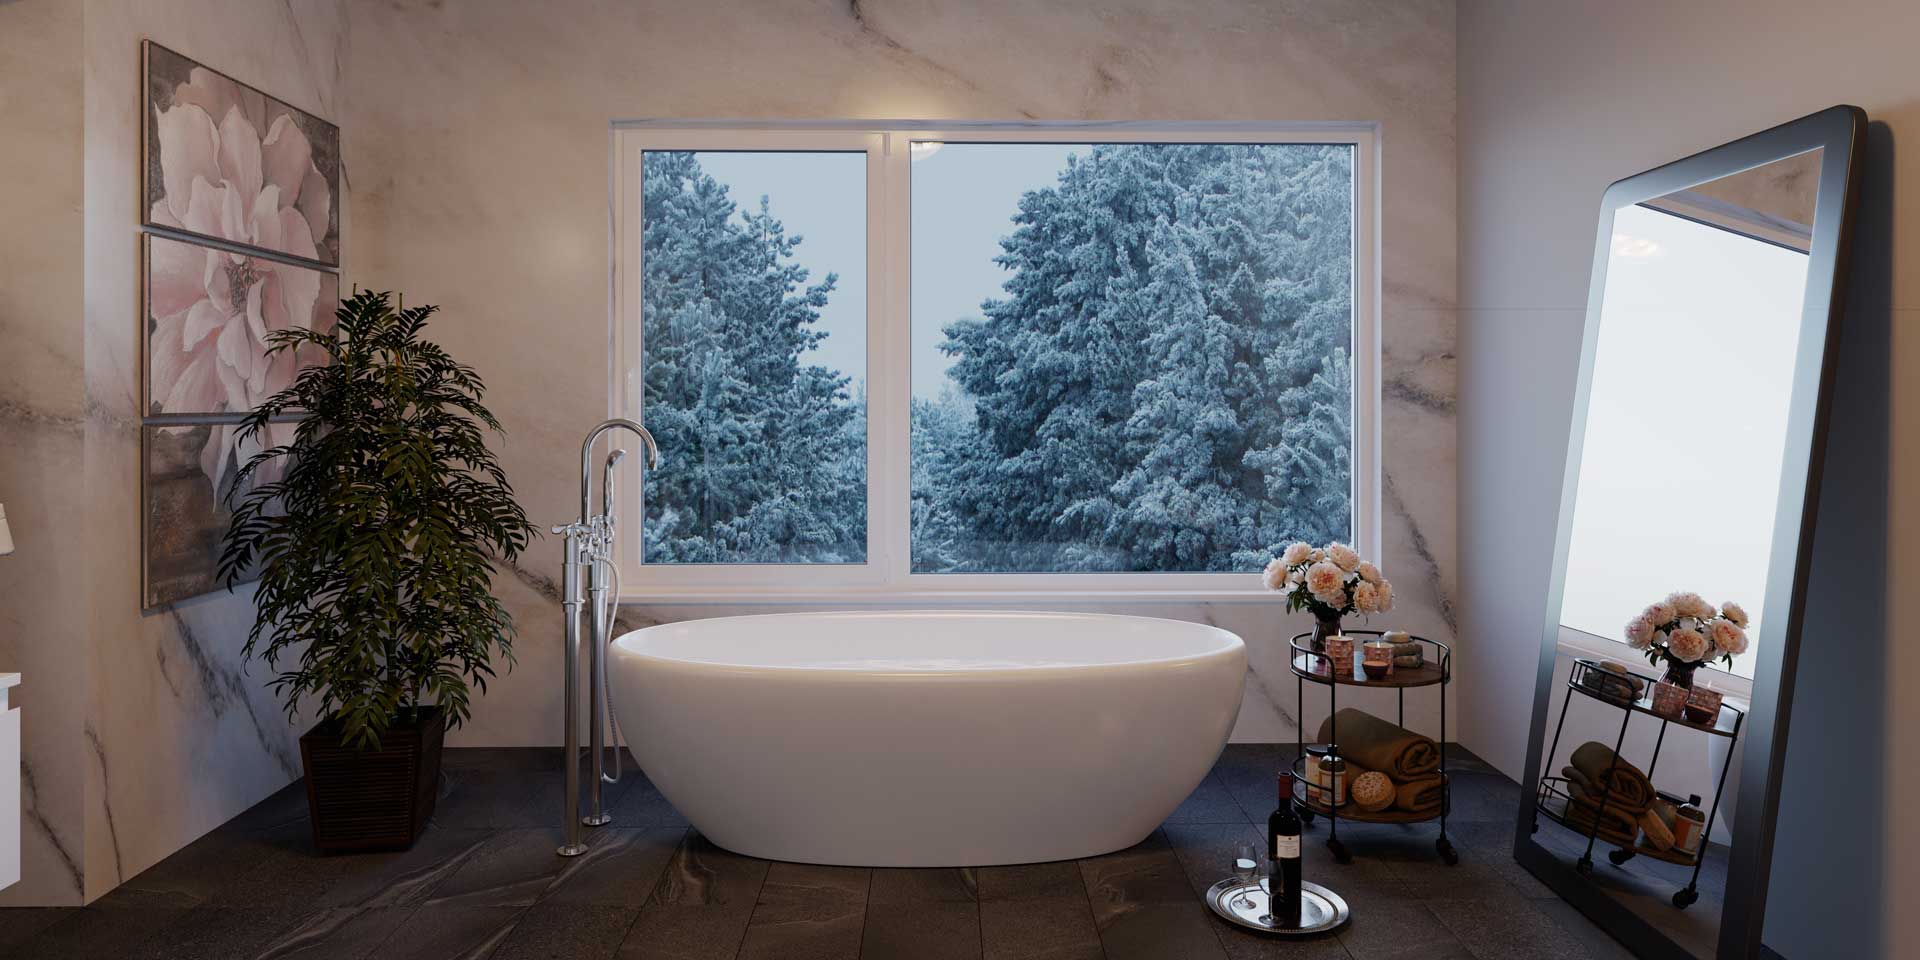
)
(479, 139)
(144, 729)
(42, 427)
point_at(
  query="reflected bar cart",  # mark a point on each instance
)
(1591, 680)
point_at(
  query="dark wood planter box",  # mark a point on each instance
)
(364, 800)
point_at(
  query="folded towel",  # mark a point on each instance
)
(1586, 808)
(1421, 794)
(1379, 745)
(1659, 835)
(1605, 772)
(1581, 818)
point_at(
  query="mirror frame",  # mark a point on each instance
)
(1840, 132)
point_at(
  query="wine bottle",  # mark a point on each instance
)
(1283, 847)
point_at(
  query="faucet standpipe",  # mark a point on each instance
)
(589, 544)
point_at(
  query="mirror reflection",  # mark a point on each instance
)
(1672, 533)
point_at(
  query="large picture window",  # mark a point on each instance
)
(925, 360)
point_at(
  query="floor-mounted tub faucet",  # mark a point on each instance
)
(589, 544)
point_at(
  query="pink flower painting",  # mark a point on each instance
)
(227, 162)
(209, 312)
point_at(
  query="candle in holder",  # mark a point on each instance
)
(1380, 652)
(1340, 654)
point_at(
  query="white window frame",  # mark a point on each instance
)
(886, 577)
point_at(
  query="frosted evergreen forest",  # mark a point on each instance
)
(1161, 382)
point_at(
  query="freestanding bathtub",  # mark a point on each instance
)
(928, 738)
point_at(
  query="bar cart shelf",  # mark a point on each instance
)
(1554, 798)
(1311, 666)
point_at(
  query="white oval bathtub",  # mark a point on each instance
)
(928, 738)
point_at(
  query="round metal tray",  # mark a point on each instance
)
(1321, 910)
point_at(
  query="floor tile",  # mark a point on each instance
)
(1210, 802)
(512, 869)
(567, 931)
(1148, 872)
(685, 933)
(620, 868)
(922, 930)
(99, 933)
(446, 932)
(643, 806)
(1159, 931)
(807, 911)
(700, 908)
(20, 924)
(1247, 945)
(1596, 941)
(336, 933)
(1039, 928)
(215, 933)
(1032, 881)
(1514, 929)
(936, 885)
(1394, 929)
(407, 878)
(1207, 851)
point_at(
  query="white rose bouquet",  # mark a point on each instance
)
(1331, 581)
(1686, 631)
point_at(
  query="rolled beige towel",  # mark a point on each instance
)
(1381, 745)
(1421, 794)
(1606, 772)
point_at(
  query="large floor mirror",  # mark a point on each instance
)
(1686, 521)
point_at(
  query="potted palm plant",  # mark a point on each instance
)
(373, 532)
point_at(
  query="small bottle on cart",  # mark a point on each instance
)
(1283, 850)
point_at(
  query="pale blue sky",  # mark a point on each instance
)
(964, 198)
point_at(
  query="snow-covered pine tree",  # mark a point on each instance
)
(1165, 386)
(763, 445)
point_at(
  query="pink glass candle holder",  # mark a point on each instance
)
(1669, 700)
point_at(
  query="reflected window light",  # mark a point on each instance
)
(1639, 248)
(921, 149)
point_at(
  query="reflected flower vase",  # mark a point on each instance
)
(1324, 627)
(1680, 673)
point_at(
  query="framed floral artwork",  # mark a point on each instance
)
(186, 473)
(208, 313)
(226, 162)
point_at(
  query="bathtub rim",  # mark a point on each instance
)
(1002, 673)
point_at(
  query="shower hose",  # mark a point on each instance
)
(606, 676)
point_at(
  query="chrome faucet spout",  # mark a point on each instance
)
(586, 457)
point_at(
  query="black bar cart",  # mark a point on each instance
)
(1591, 680)
(1314, 666)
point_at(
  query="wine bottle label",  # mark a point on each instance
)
(1285, 847)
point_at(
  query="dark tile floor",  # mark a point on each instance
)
(483, 882)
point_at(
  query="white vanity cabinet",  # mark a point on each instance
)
(9, 784)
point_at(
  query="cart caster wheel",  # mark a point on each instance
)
(1340, 854)
(1584, 865)
(1535, 828)
(1619, 857)
(1447, 853)
(1685, 898)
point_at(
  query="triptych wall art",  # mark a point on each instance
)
(241, 194)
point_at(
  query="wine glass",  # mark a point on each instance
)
(1246, 868)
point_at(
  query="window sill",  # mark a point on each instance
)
(841, 597)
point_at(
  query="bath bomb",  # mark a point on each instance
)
(1372, 791)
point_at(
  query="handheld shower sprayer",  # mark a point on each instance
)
(589, 545)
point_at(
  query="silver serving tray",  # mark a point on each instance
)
(1321, 910)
